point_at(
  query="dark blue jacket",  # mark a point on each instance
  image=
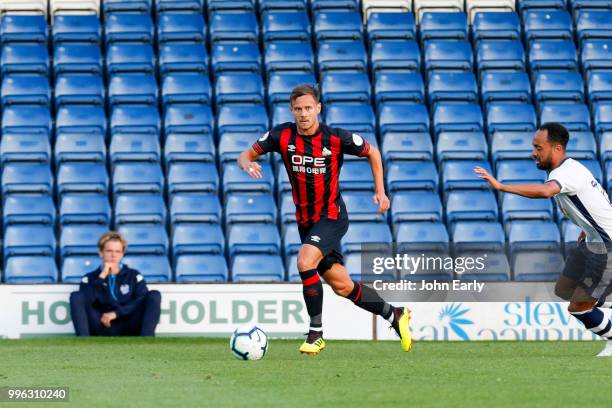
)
(129, 290)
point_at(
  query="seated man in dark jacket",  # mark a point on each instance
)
(113, 300)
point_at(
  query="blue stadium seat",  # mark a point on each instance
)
(356, 176)
(81, 240)
(250, 208)
(537, 266)
(461, 146)
(25, 89)
(24, 58)
(132, 89)
(155, 268)
(515, 207)
(139, 147)
(574, 116)
(128, 27)
(477, 236)
(598, 86)
(89, 147)
(411, 175)
(357, 117)
(291, 240)
(452, 86)
(140, 58)
(245, 88)
(402, 117)
(505, 55)
(406, 146)
(253, 239)
(287, 208)
(233, 27)
(497, 268)
(78, 58)
(582, 145)
(594, 167)
(547, 24)
(552, 54)
(342, 55)
(192, 178)
(285, 26)
(183, 57)
(582, 5)
(519, 171)
(593, 24)
(235, 57)
(27, 178)
(505, 86)
(27, 270)
(288, 57)
(28, 209)
(422, 236)
(138, 178)
(84, 209)
(79, 89)
(128, 6)
(496, 25)
(524, 5)
(81, 119)
(201, 268)
(511, 145)
(29, 147)
(242, 118)
(195, 208)
(26, 119)
(510, 116)
(361, 207)
(82, 178)
(443, 26)
(266, 6)
(185, 88)
(189, 147)
(139, 208)
(230, 5)
(395, 55)
(448, 54)
(465, 205)
(74, 267)
(398, 25)
(602, 117)
(457, 117)
(135, 119)
(566, 86)
(232, 144)
(459, 175)
(145, 239)
(23, 28)
(76, 28)
(345, 87)
(281, 113)
(533, 236)
(23, 239)
(257, 268)
(605, 146)
(366, 236)
(188, 27)
(398, 86)
(281, 84)
(338, 25)
(409, 206)
(318, 5)
(197, 239)
(183, 118)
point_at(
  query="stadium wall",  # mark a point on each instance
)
(216, 310)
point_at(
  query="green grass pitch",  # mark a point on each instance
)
(198, 372)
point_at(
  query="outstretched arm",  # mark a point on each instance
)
(247, 162)
(380, 197)
(543, 190)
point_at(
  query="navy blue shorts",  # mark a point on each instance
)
(326, 235)
(591, 268)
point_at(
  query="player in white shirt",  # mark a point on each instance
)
(586, 279)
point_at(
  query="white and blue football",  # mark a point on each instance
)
(249, 343)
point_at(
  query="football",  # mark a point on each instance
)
(249, 343)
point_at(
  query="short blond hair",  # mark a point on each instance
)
(111, 236)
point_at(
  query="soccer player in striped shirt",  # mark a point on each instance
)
(312, 153)
(586, 279)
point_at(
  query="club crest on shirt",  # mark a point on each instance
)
(358, 140)
(124, 289)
